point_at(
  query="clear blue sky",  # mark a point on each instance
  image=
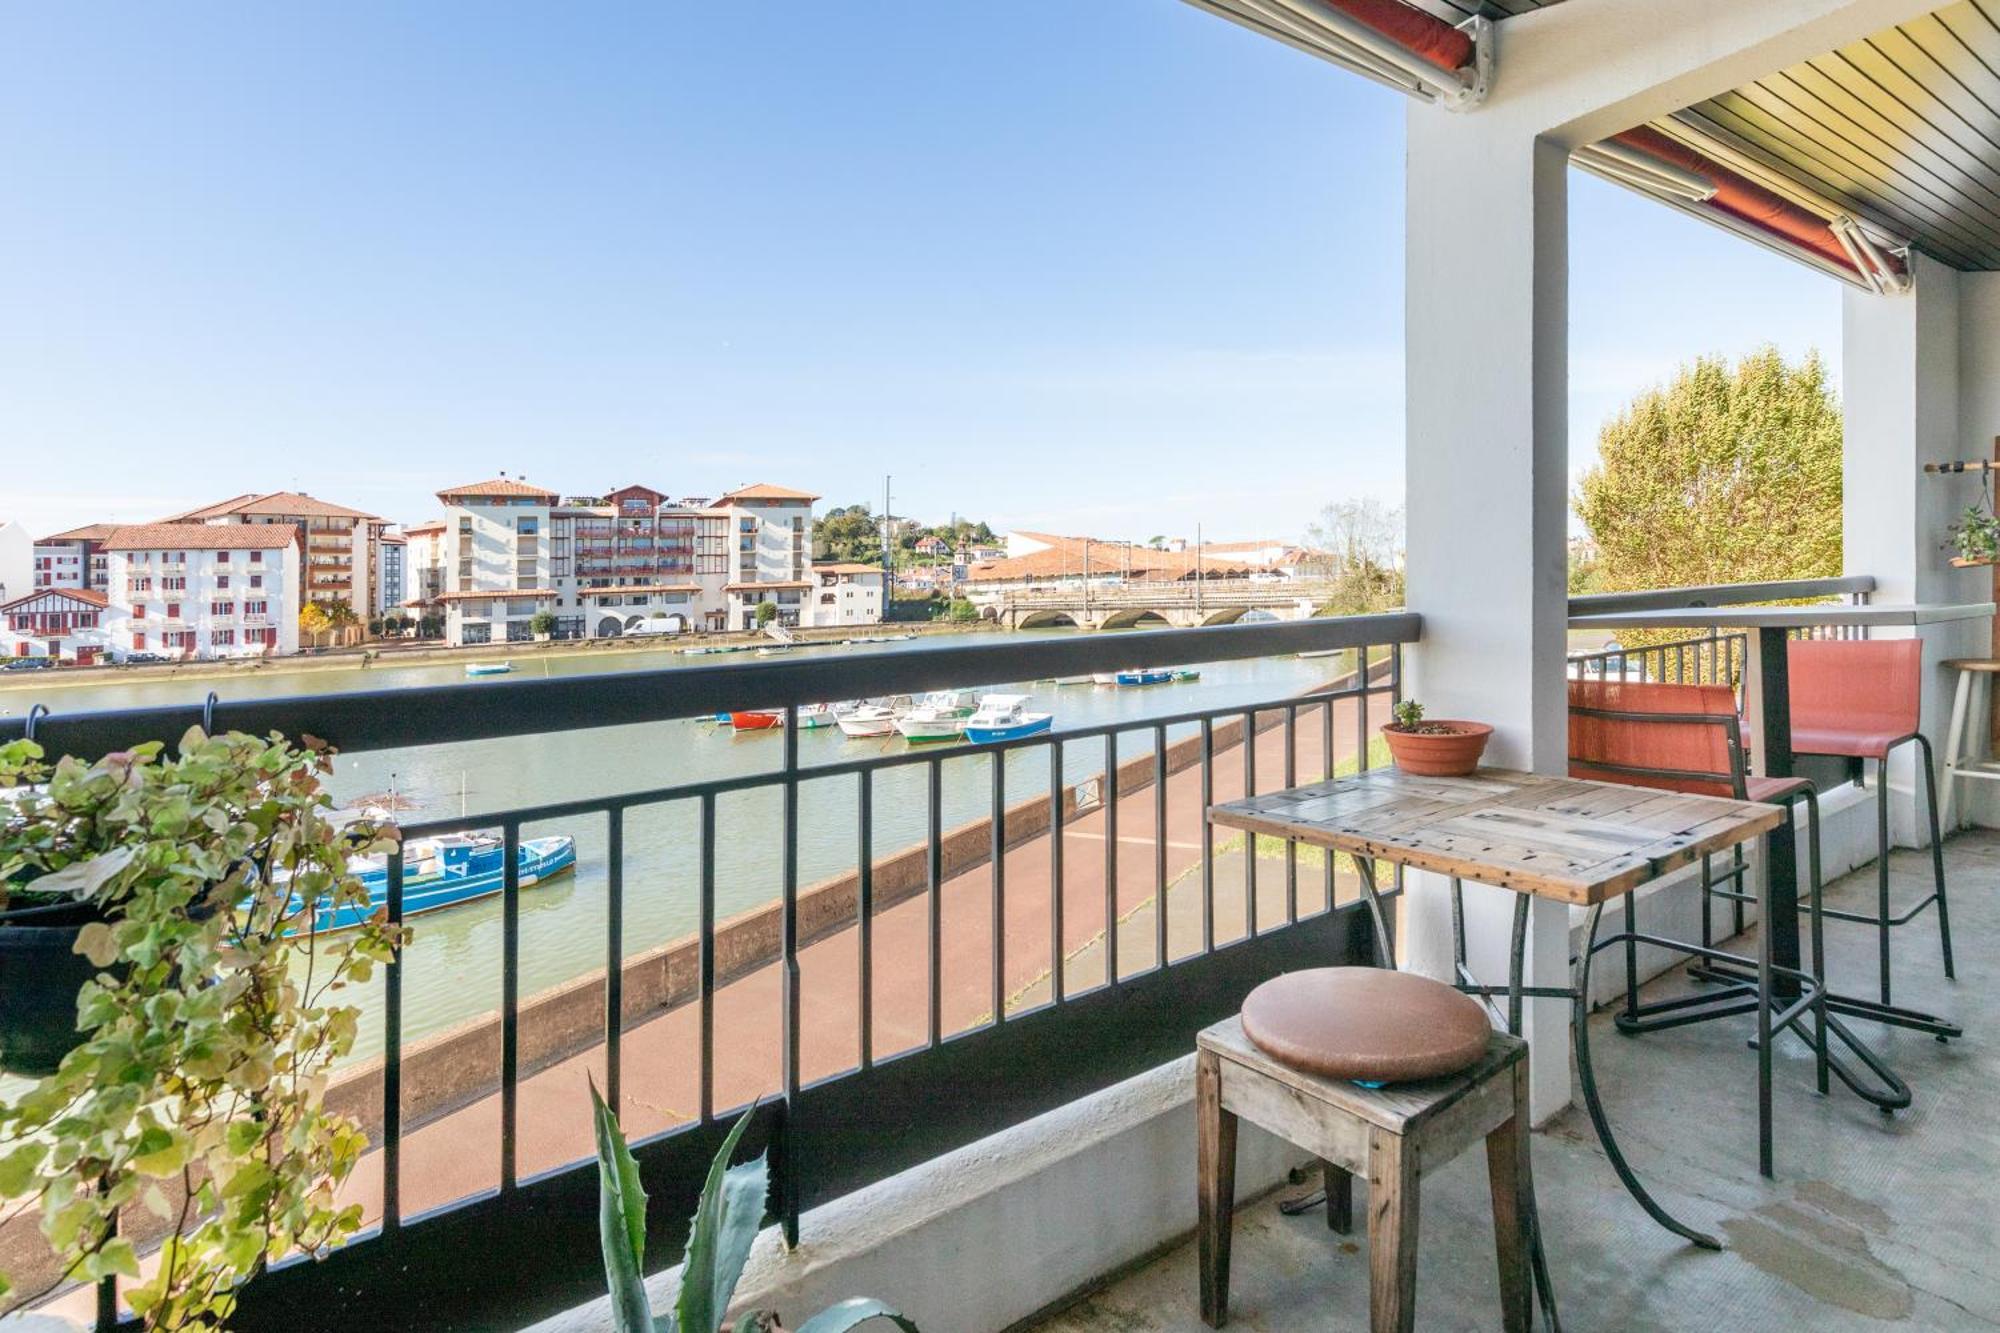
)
(1116, 265)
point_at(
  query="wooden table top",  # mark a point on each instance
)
(1555, 837)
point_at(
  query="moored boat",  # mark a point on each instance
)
(443, 872)
(938, 716)
(1145, 676)
(757, 719)
(865, 720)
(1005, 717)
(488, 668)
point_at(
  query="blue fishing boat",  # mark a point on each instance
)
(1004, 717)
(1144, 676)
(444, 872)
(488, 668)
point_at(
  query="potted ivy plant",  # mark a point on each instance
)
(726, 1220)
(1437, 748)
(189, 1095)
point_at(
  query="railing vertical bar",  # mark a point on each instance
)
(1207, 836)
(934, 884)
(1056, 871)
(1160, 845)
(107, 1293)
(1327, 746)
(1249, 838)
(1110, 858)
(705, 957)
(788, 1156)
(1291, 844)
(614, 952)
(510, 999)
(998, 854)
(865, 915)
(392, 1056)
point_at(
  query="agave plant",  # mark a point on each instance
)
(725, 1225)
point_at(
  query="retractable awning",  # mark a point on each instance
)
(1386, 40)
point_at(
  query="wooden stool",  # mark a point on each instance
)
(1390, 1137)
(1972, 699)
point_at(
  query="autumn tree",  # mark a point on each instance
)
(1728, 474)
(313, 620)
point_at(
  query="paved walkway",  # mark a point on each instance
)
(458, 1154)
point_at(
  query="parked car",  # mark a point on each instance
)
(30, 664)
(146, 659)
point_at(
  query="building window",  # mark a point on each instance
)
(256, 558)
(222, 557)
(256, 608)
(223, 638)
(479, 633)
(173, 610)
(519, 631)
(222, 580)
(223, 609)
(256, 580)
(527, 527)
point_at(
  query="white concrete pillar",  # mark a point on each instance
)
(1901, 377)
(1486, 365)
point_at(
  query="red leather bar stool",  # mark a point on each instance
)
(1859, 699)
(1687, 738)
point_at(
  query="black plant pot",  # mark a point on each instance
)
(40, 975)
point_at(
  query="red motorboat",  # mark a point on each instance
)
(758, 720)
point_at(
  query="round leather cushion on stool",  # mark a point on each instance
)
(1366, 1023)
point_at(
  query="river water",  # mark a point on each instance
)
(452, 970)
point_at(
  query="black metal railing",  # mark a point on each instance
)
(528, 1246)
(1713, 657)
(1857, 587)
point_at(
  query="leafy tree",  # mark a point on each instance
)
(1728, 474)
(766, 613)
(542, 622)
(848, 532)
(314, 620)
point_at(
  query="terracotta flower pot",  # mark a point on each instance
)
(1438, 754)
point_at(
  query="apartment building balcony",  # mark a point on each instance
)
(961, 1020)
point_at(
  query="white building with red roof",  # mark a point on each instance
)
(66, 624)
(632, 558)
(342, 546)
(200, 591)
(73, 559)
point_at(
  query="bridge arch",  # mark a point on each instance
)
(1047, 620)
(1246, 615)
(1133, 619)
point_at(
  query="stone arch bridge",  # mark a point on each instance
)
(1181, 605)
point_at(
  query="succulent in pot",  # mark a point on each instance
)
(1434, 748)
(198, 1021)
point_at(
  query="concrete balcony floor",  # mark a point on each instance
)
(1873, 1220)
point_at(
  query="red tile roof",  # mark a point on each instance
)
(89, 532)
(775, 583)
(279, 503)
(435, 525)
(500, 488)
(88, 597)
(1066, 557)
(764, 490)
(846, 567)
(202, 537)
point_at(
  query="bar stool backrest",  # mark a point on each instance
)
(1872, 686)
(1684, 738)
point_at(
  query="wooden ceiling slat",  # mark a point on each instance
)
(1749, 129)
(1945, 167)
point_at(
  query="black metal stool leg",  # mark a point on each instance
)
(1815, 885)
(1707, 902)
(1882, 870)
(1937, 853)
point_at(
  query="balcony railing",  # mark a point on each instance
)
(872, 1112)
